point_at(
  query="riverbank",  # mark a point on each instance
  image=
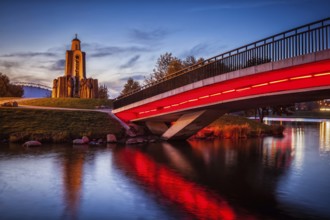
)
(58, 126)
(234, 127)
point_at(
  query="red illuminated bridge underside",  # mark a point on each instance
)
(304, 77)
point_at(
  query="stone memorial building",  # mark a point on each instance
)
(74, 82)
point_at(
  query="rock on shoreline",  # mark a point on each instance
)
(31, 144)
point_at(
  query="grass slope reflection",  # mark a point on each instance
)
(193, 198)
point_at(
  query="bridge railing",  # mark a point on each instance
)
(309, 38)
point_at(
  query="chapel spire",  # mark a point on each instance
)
(75, 43)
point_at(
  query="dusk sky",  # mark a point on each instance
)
(124, 38)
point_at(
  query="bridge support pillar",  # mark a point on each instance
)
(157, 128)
(191, 123)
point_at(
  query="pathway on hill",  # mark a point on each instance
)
(108, 111)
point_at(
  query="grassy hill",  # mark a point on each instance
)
(19, 125)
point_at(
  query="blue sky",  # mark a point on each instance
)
(124, 38)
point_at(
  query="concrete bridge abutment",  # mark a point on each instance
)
(186, 126)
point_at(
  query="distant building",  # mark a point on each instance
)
(74, 82)
(34, 92)
(324, 105)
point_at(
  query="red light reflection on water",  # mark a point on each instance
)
(280, 152)
(193, 198)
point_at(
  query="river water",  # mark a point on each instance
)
(264, 178)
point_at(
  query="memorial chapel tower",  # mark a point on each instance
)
(74, 82)
(75, 64)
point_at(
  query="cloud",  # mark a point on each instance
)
(130, 62)
(137, 77)
(58, 65)
(8, 64)
(204, 49)
(113, 50)
(115, 86)
(30, 78)
(239, 5)
(30, 54)
(196, 50)
(149, 36)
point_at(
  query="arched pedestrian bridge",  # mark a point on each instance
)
(292, 66)
(34, 85)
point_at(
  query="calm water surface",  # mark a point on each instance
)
(269, 178)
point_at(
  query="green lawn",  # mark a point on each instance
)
(68, 102)
(54, 126)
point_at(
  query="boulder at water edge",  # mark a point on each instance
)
(85, 139)
(138, 140)
(78, 141)
(31, 144)
(111, 138)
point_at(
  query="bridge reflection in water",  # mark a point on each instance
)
(206, 178)
(160, 179)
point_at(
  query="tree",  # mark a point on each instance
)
(161, 68)
(130, 86)
(167, 64)
(275, 110)
(162, 64)
(15, 90)
(191, 60)
(174, 66)
(9, 90)
(4, 83)
(256, 61)
(103, 92)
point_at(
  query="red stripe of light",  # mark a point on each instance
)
(295, 78)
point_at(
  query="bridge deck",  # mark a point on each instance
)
(307, 39)
(285, 77)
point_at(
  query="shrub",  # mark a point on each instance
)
(19, 137)
(61, 137)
